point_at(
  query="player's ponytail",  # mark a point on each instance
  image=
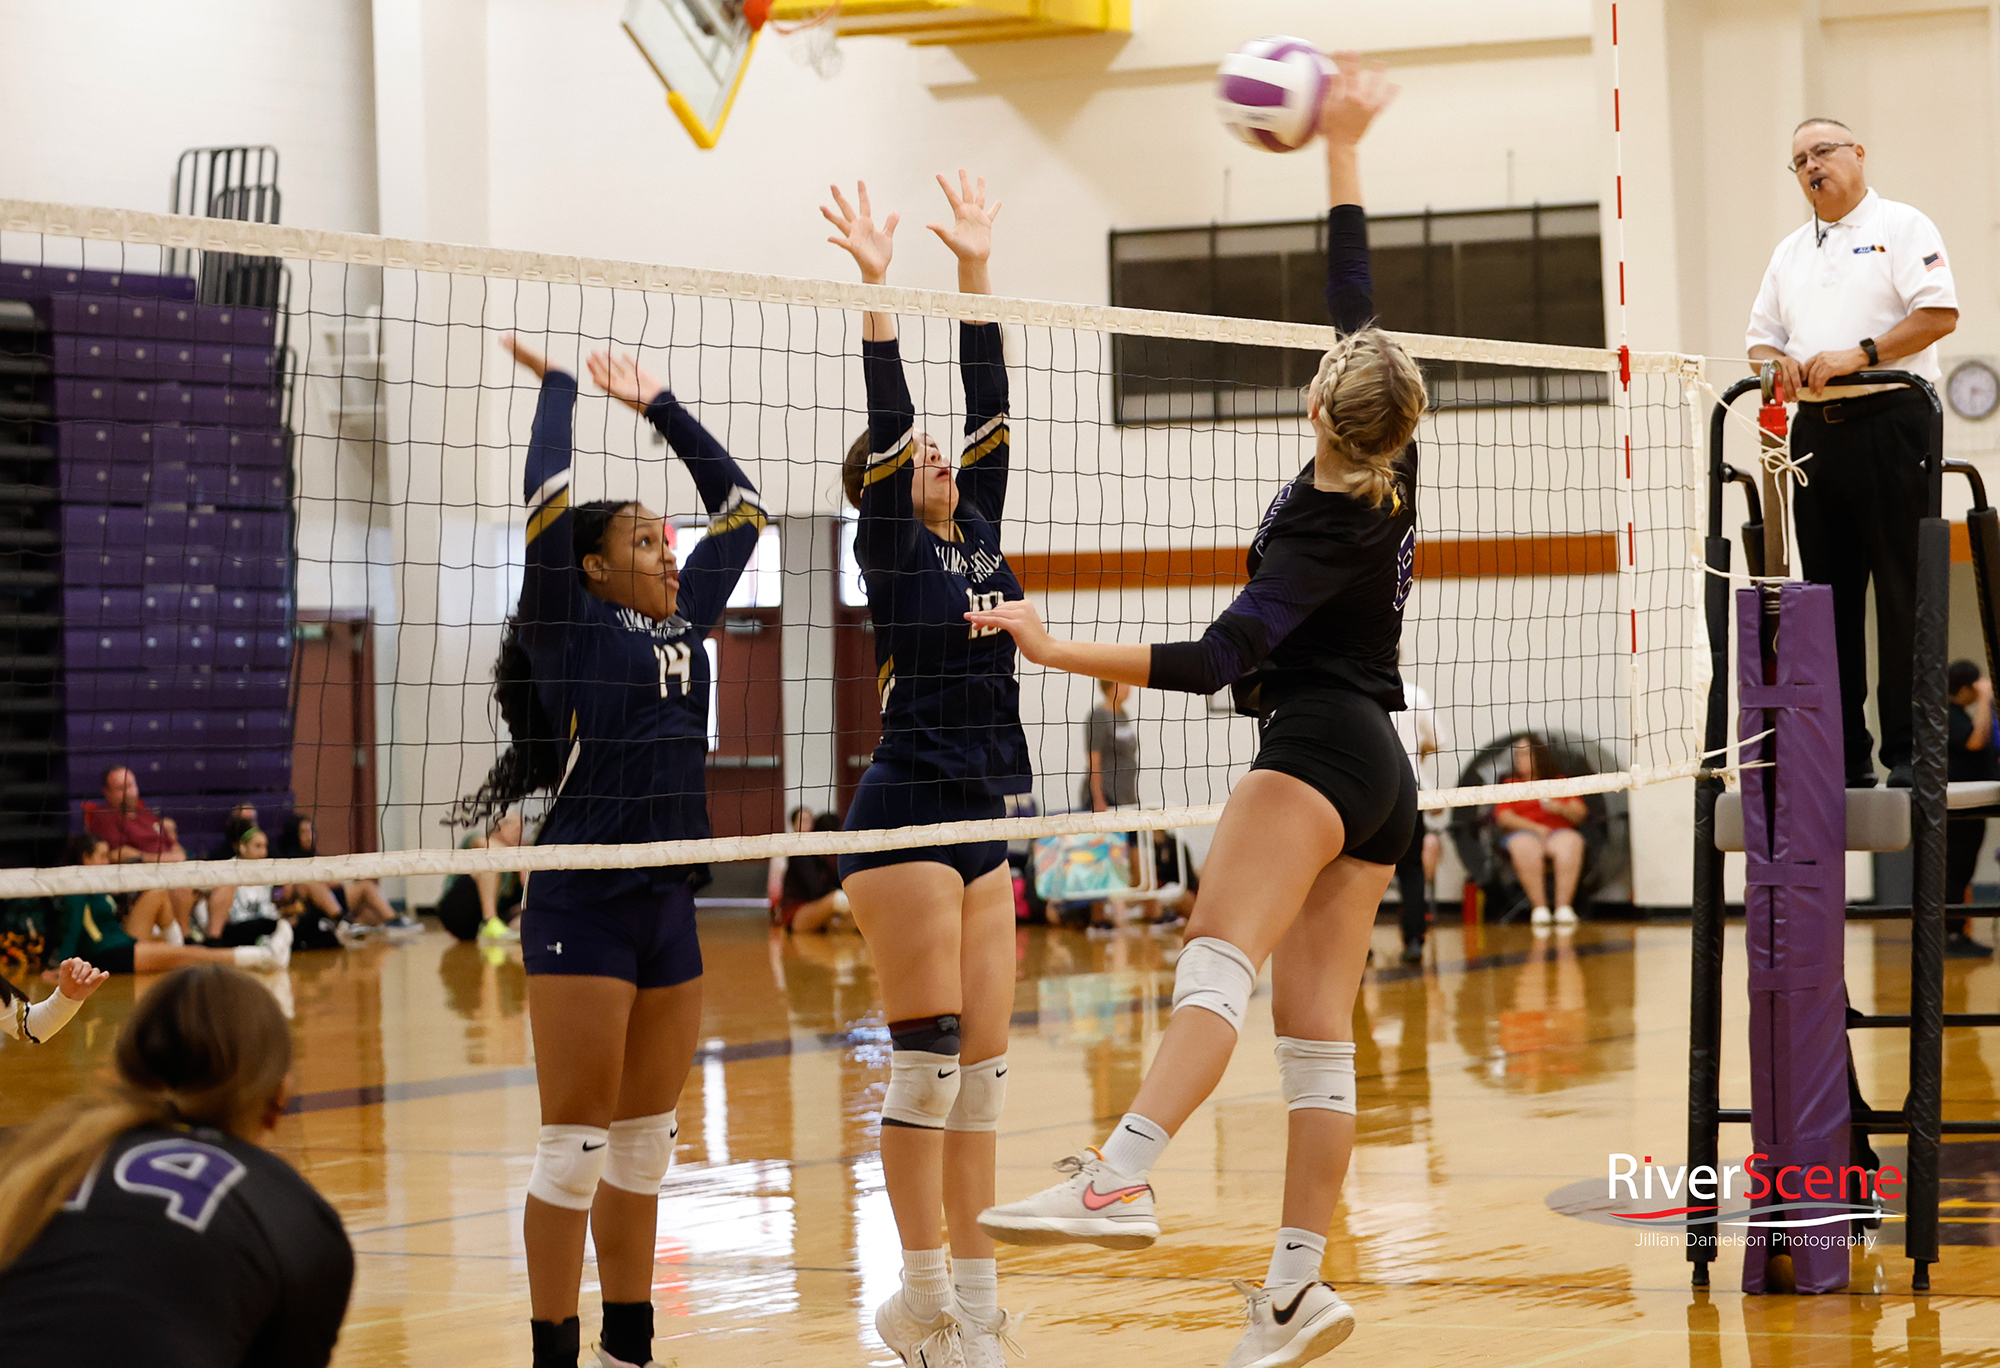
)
(854, 469)
(534, 760)
(1365, 403)
(206, 1047)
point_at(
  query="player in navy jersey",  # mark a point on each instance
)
(604, 684)
(142, 1221)
(1310, 837)
(939, 920)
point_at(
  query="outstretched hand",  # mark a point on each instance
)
(618, 374)
(871, 247)
(1359, 90)
(527, 355)
(77, 979)
(970, 235)
(1018, 618)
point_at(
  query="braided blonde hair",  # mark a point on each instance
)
(1365, 403)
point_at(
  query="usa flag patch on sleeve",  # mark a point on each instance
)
(1933, 261)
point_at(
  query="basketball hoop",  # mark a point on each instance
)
(815, 42)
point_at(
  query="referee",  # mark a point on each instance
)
(1865, 284)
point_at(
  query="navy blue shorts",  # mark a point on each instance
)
(890, 796)
(611, 924)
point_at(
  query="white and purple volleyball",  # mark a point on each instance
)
(1268, 92)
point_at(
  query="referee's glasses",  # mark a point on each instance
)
(1816, 153)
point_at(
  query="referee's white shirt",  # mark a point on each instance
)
(1832, 284)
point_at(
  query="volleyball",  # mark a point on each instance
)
(1268, 92)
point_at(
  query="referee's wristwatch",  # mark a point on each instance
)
(1867, 345)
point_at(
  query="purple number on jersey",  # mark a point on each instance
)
(193, 1177)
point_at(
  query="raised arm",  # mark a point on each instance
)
(548, 587)
(1357, 93)
(982, 465)
(888, 522)
(710, 573)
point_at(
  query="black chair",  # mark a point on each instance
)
(1606, 827)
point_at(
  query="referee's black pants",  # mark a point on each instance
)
(1856, 516)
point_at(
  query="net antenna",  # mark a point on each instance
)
(699, 49)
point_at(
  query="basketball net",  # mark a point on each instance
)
(815, 42)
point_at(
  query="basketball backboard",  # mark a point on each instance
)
(698, 49)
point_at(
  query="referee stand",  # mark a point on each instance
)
(1877, 819)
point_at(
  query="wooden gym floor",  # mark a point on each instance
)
(1494, 1084)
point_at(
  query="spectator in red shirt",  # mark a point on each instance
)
(1542, 831)
(137, 834)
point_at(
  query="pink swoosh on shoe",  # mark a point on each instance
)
(1093, 1200)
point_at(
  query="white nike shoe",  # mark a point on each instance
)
(1566, 916)
(1290, 1323)
(279, 943)
(1539, 917)
(920, 1344)
(1095, 1204)
(986, 1343)
(605, 1360)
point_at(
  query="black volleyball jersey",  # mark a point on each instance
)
(628, 695)
(182, 1249)
(951, 707)
(1329, 574)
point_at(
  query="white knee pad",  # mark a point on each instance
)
(923, 1085)
(642, 1150)
(982, 1092)
(568, 1162)
(1216, 975)
(1316, 1074)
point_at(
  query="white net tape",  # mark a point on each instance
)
(1555, 587)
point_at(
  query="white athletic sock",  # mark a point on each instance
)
(926, 1282)
(174, 936)
(1295, 1257)
(977, 1285)
(254, 957)
(1135, 1146)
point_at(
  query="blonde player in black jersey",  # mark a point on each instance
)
(1311, 836)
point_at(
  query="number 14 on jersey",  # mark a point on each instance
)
(675, 664)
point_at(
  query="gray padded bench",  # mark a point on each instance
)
(1877, 819)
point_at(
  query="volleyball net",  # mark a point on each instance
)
(265, 525)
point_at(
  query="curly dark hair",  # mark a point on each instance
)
(534, 761)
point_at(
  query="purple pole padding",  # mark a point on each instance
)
(1795, 901)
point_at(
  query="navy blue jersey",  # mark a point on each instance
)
(951, 707)
(1329, 574)
(182, 1249)
(629, 696)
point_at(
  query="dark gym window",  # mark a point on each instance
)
(1519, 275)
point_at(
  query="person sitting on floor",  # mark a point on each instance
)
(484, 904)
(810, 899)
(359, 902)
(94, 933)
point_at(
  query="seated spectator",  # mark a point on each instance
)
(238, 914)
(811, 899)
(358, 901)
(800, 820)
(136, 834)
(484, 905)
(1536, 831)
(1969, 756)
(94, 933)
(240, 816)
